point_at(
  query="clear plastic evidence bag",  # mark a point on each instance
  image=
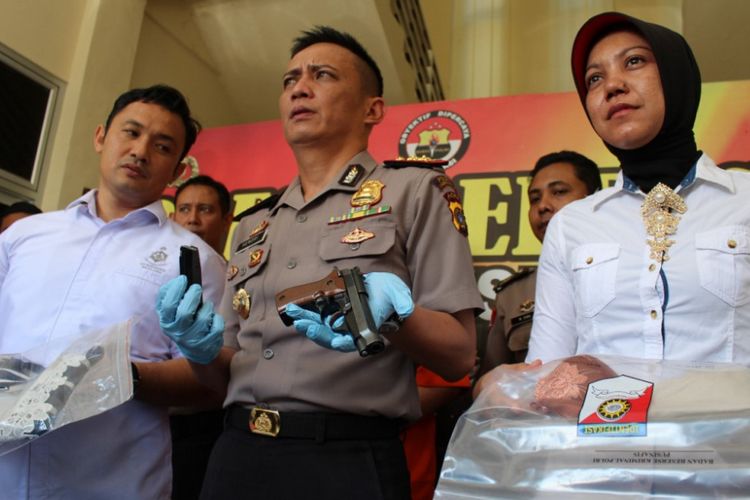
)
(604, 427)
(61, 382)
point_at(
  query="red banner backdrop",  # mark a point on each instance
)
(491, 144)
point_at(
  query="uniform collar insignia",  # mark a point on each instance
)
(352, 175)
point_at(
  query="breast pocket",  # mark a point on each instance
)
(366, 241)
(723, 258)
(594, 274)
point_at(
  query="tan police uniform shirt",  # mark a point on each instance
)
(416, 233)
(508, 338)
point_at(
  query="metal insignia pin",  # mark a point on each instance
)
(369, 193)
(241, 303)
(255, 258)
(357, 235)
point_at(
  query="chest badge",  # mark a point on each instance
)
(255, 257)
(232, 272)
(357, 235)
(241, 303)
(369, 193)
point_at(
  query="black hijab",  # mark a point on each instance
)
(672, 153)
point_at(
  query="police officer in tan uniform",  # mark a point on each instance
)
(307, 415)
(556, 180)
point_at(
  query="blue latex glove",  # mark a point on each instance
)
(387, 294)
(320, 332)
(199, 336)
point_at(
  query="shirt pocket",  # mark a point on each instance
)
(723, 258)
(594, 269)
(333, 245)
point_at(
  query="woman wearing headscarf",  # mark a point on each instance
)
(658, 266)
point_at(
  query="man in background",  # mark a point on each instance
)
(556, 180)
(100, 262)
(203, 206)
(15, 212)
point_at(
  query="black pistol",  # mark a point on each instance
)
(342, 292)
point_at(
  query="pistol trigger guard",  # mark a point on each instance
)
(332, 322)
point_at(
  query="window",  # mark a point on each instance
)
(28, 98)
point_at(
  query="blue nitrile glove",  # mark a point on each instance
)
(388, 294)
(198, 336)
(320, 332)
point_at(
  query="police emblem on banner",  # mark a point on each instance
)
(439, 135)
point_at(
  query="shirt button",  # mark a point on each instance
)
(589, 260)
(354, 246)
(652, 267)
(301, 218)
(267, 353)
(732, 244)
(291, 264)
(654, 314)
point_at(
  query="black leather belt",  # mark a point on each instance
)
(317, 426)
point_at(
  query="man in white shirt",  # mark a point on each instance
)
(98, 262)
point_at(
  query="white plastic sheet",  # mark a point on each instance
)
(87, 375)
(695, 442)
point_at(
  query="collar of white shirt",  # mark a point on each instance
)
(704, 170)
(87, 204)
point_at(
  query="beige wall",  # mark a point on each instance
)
(503, 47)
(718, 33)
(43, 31)
(171, 51)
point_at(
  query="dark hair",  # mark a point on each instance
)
(168, 98)
(585, 169)
(326, 34)
(20, 207)
(225, 201)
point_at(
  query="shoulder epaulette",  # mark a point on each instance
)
(267, 203)
(415, 161)
(499, 285)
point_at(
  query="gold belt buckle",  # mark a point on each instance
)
(264, 421)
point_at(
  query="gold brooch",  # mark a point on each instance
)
(659, 220)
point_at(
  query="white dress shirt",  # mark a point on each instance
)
(599, 292)
(67, 272)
